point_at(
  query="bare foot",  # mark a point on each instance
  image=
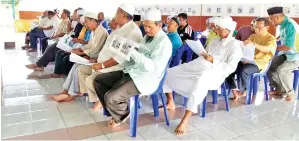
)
(59, 97)
(96, 106)
(112, 124)
(290, 98)
(31, 50)
(38, 68)
(242, 94)
(54, 75)
(169, 106)
(31, 66)
(80, 94)
(25, 47)
(68, 99)
(64, 92)
(180, 130)
(236, 95)
(274, 92)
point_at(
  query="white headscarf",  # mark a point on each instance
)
(228, 23)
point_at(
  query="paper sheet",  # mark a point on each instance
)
(248, 52)
(66, 44)
(51, 42)
(196, 46)
(122, 47)
(78, 59)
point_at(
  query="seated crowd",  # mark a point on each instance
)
(111, 80)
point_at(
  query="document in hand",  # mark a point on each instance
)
(122, 47)
(66, 44)
(196, 46)
(51, 42)
(248, 52)
(78, 59)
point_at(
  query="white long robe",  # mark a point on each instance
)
(194, 79)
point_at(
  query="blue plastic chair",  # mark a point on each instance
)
(295, 83)
(215, 95)
(135, 105)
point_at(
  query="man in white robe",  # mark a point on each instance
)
(207, 72)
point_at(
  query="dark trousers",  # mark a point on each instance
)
(243, 70)
(114, 91)
(62, 63)
(44, 44)
(34, 34)
(26, 38)
(48, 56)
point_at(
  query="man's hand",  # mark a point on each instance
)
(97, 66)
(246, 42)
(283, 48)
(93, 60)
(86, 57)
(41, 28)
(207, 57)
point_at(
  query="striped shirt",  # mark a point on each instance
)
(186, 33)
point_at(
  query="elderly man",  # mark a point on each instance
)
(245, 31)
(89, 51)
(113, 25)
(280, 73)
(212, 33)
(107, 60)
(265, 45)
(42, 23)
(51, 50)
(207, 72)
(142, 76)
(102, 21)
(45, 30)
(62, 58)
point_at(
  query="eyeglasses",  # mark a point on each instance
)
(255, 27)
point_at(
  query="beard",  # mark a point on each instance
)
(148, 39)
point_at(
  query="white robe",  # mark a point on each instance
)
(194, 79)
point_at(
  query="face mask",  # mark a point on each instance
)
(74, 23)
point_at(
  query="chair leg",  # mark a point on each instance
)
(155, 102)
(133, 115)
(225, 96)
(248, 89)
(173, 95)
(214, 95)
(266, 87)
(295, 83)
(204, 108)
(255, 84)
(165, 110)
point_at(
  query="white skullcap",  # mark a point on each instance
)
(91, 15)
(153, 15)
(80, 12)
(130, 9)
(213, 19)
(82, 19)
(226, 22)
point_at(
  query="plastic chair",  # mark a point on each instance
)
(295, 82)
(215, 95)
(134, 106)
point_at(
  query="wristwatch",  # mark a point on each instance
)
(103, 66)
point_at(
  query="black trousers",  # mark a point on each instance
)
(62, 63)
(244, 70)
(44, 44)
(48, 56)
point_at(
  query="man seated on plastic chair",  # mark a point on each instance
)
(141, 77)
(207, 72)
(280, 73)
(265, 45)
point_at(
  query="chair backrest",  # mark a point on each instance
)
(269, 64)
(197, 35)
(178, 56)
(189, 53)
(160, 87)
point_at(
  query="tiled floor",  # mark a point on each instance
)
(28, 114)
